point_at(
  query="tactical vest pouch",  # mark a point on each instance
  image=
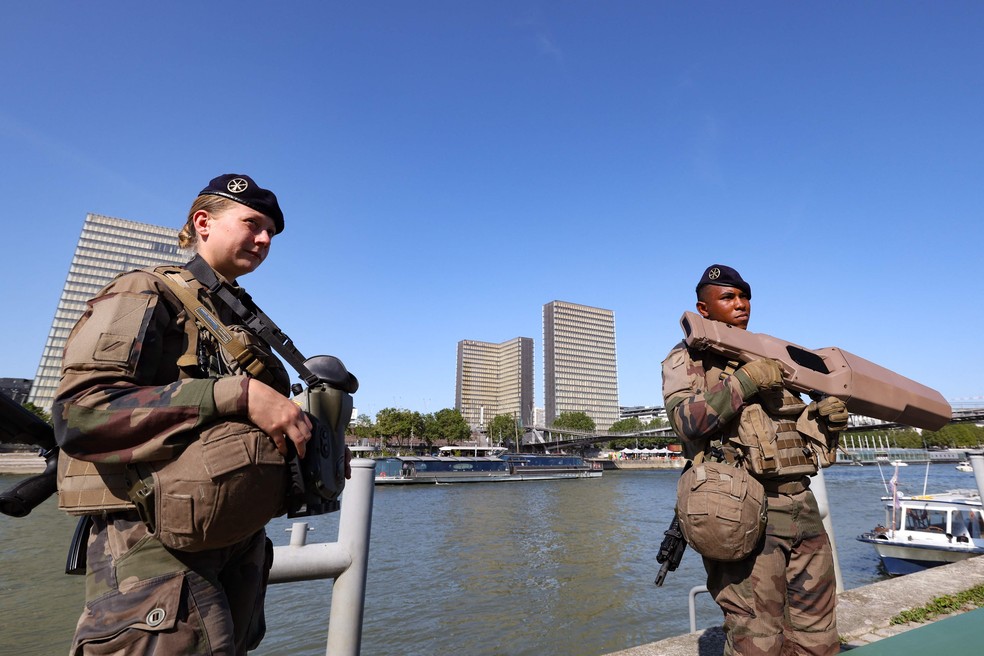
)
(770, 448)
(822, 442)
(86, 488)
(722, 510)
(222, 488)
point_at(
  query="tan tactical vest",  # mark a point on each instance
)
(764, 439)
(92, 488)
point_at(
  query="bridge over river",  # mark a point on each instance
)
(548, 439)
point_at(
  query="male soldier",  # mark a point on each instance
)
(780, 599)
(145, 383)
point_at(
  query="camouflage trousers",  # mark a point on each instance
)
(781, 599)
(143, 598)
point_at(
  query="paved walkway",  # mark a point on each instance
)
(864, 614)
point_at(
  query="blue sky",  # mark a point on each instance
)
(446, 168)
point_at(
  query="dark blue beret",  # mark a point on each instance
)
(724, 276)
(242, 189)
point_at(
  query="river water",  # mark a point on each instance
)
(531, 568)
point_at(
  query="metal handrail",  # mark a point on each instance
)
(345, 560)
(692, 605)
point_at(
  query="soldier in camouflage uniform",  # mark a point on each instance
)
(141, 380)
(781, 598)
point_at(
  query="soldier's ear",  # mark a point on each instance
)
(702, 308)
(200, 221)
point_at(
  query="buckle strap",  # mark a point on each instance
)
(786, 487)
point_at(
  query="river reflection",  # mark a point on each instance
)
(540, 567)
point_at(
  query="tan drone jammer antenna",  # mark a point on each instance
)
(867, 388)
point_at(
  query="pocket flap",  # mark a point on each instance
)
(225, 454)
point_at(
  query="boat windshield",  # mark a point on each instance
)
(926, 519)
(389, 466)
(967, 524)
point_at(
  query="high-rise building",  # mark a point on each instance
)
(495, 379)
(106, 248)
(580, 372)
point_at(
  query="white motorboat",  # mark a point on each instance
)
(928, 530)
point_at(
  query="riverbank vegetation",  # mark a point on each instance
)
(400, 428)
(944, 605)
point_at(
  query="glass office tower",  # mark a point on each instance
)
(580, 372)
(495, 379)
(106, 248)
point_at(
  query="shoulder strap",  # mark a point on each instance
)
(253, 317)
(204, 317)
(730, 368)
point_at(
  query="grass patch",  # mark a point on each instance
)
(944, 605)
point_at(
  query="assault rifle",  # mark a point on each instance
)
(670, 550)
(673, 545)
(18, 425)
(865, 387)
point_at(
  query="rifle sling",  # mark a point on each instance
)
(253, 317)
(205, 318)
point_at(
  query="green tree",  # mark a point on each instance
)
(627, 425)
(657, 423)
(447, 425)
(502, 429)
(399, 425)
(578, 421)
(363, 428)
(38, 411)
(955, 436)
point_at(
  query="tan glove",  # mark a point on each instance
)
(764, 374)
(834, 412)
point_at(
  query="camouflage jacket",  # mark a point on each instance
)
(700, 402)
(139, 377)
(704, 401)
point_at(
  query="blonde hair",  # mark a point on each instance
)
(188, 237)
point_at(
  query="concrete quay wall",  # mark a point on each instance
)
(863, 614)
(21, 463)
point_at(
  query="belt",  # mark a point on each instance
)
(786, 487)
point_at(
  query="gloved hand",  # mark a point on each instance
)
(761, 374)
(834, 411)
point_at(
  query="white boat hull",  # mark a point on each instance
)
(899, 559)
(928, 530)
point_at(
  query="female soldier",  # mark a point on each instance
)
(144, 383)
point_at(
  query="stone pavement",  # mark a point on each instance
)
(863, 614)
